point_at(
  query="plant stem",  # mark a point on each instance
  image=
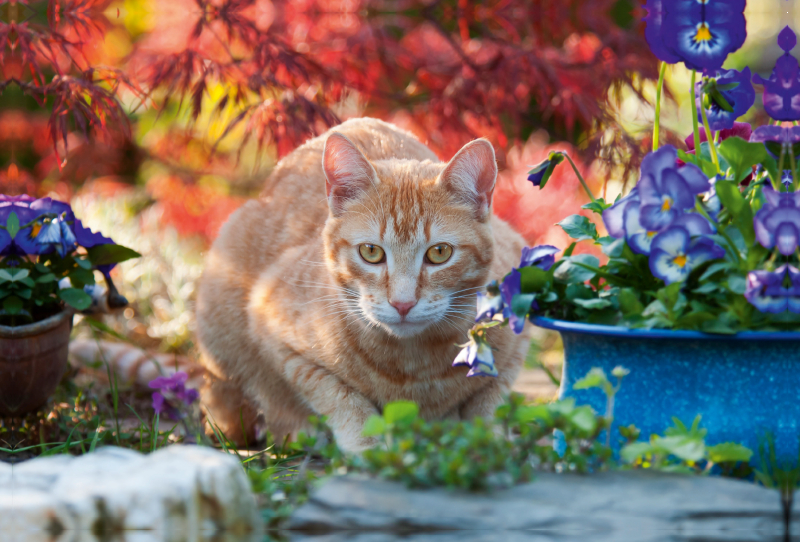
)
(709, 136)
(794, 170)
(776, 183)
(695, 127)
(657, 124)
(580, 177)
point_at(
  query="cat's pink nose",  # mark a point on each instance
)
(403, 306)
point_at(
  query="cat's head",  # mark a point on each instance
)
(410, 241)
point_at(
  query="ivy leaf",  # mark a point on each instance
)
(579, 227)
(75, 298)
(110, 254)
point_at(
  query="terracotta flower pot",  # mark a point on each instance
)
(33, 359)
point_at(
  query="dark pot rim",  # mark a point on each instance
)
(36, 328)
(628, 333)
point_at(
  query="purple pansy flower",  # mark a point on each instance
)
(541, 172)
(172, 394)
(614, 216)
(674, 254)
(774, 292)
(701, 32)
(477, 355)
(782, 89)
(511, 286)
(22, 242)
(488, 306)
(740, 98)
(56, 234)
(653, 30)
(778, 222)
(542, 256)
(665, 190)
(776, 137)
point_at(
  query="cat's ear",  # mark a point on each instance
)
(347, 172)
(471, 175)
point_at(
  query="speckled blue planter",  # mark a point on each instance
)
(743, 385)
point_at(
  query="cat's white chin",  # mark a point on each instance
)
(405, 329)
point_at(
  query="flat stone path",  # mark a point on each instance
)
(629, 506)
(176, 494)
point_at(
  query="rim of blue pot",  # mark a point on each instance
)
(619, 331)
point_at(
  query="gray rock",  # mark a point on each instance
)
(179, 493)
(612, 506)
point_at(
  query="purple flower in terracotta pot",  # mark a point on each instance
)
(777, 224)
(774, 292)
(172, 395)
(782, 89)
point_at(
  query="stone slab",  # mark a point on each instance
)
(632, 506)
(176, 494)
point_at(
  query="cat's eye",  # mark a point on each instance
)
(438, 254)
(371, 253)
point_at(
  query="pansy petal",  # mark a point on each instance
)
(614, 216)
(695, 179)
(542, 256)
(673, 241)
(664, 266)
(87, 238)
(786, 238)
(695, 224)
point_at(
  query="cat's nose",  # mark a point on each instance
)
(403, 307)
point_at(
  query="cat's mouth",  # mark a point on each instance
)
(404, 328)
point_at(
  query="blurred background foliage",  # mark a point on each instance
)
(159, 118)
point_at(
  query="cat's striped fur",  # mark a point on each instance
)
(291, 318)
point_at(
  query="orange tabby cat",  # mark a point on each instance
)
(339, 305)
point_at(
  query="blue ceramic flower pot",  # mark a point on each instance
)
(742, 385)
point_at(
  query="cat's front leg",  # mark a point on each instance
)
(346, 409)
(484, 403)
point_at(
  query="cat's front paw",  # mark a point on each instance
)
(353, 441)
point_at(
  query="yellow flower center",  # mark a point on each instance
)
(37, 226)
(703, 33)
(680, 261)
(666, 205)
(651, 233)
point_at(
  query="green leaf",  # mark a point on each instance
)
(110, 253)
(375, 426)
(49, 277)
(12, 224)
(729, 451)
(583, 418)
(707, 166)
(686, 448)
(737, 284)
(75, 298)
(529, 413)
(24, 293)
(533, 279)
(715, 268)
(12, 305)
(592, 303)
(705, 155)
(597, 206)
(742, 155)
(570, 273)
(81, 277)
(595, 378)
(521, 303)
(83, 263)
(635, 450)
(732, 199)
(629, 302)
(579, 227)
(611, 246)
(400, 411)
(771, 165)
